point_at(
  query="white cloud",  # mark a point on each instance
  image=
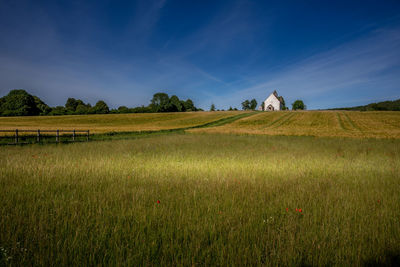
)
(367, 68)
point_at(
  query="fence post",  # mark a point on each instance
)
(16, 136)
(73, 135)
(58, 136)
(38, 135)
(87, 136)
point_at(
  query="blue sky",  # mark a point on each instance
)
(327, 53)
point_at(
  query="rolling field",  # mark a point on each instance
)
(316, 123)
(298, 123)
(189, 199)
(115, 122)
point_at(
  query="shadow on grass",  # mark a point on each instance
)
(391, 258)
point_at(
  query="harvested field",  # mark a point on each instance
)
(115, 122)
(315, 123)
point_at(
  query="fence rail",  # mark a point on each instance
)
(39, 135)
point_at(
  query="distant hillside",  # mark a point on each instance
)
(385, 105)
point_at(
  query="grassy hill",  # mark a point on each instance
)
(115, 122)
(382, 106)
(310, 123)
(315, 123)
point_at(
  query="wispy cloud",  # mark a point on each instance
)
(359, 69)
(217, 61)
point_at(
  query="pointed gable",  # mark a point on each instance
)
(273, 102)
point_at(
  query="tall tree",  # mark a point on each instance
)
(100, 108)
(44, 109)
(246, 105)
(18, 103)
(175, 104)
(253, 104)
(189, 106)
(160, 102)
(212, 108)
(82, 109)
(71, 105)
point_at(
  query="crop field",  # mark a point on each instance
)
(316, 123)
(115, 122)
(203, 199)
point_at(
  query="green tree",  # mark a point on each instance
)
(141, 109)
(189, 105)
(123, 109)
(246, 105)
(100, 108)
(71, 105)
(18, 103)
(212, 108)
(2, 101)
(160, 102)
(253, 104)
(175, 104)
(298, 104)
(82, 109)
(44, 109)
(59, 110)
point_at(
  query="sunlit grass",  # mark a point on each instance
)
(223, 201)
(114, 122)
(316, 123)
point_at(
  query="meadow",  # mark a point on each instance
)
(115, 122)
(202, 199)
(375, 124)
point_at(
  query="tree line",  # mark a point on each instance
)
(19, 102)
(380, 106)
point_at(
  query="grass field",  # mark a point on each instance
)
(115, 122)
(316, 123)
(223, 200)
(308, 123)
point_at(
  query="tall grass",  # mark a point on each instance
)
(224, 200)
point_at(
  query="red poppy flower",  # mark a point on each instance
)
(297, 209)
(287, 209)
(158, 201)
(300, 210)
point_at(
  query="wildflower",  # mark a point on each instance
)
(158, 201)
(287, 209)
(297, 209)
(300, 210)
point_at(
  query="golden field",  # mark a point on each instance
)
(114, 122)
(377, 124)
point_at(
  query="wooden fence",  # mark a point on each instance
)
(40, 134)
